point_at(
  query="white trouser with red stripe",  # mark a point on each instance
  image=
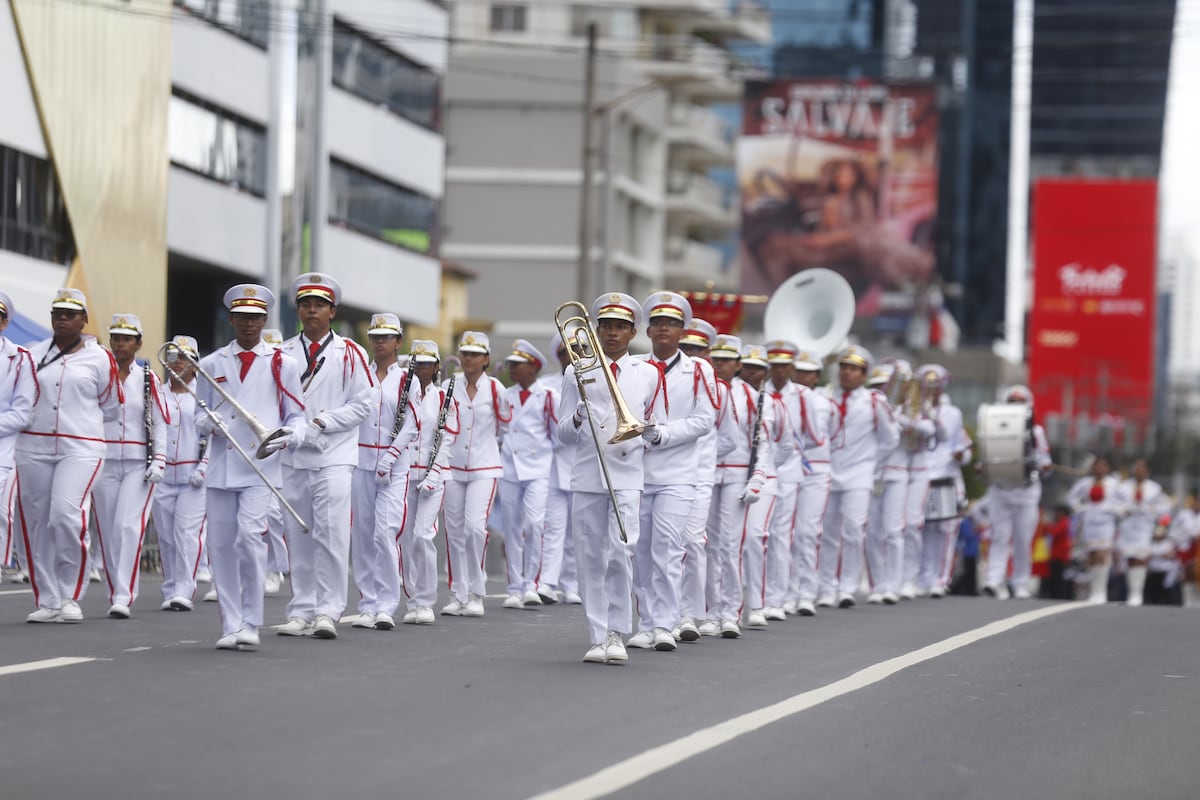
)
(237, 552)
(122, 498)
(735, 531)
(914, 525)
(8, 489)
(841, 559)
(320, 568)
(1014, 517)
(937, 554)
(885, 536)
(53, 508)
(658, 557)
(555, 541)
(379, 518)
(604, 561)
(277, 552)
(418, 552)
(523, 507)
(179, 517)
(468, 504)
(811, 502)
(779, 543)
(692, 600)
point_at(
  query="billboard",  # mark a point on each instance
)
(844, 176)
(1091, 325)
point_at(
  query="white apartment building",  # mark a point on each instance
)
(515, 117)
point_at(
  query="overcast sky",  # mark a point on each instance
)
(1181, 153)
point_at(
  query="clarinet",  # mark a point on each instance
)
(440, 429)
(402, 408)
(758, 418)
(147, 413)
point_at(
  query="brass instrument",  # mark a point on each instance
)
(590, 358)
(917, 405)
(169, 355)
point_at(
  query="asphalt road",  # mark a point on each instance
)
(1091, 702)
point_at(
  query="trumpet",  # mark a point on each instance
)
(171, 354)
(576, 331)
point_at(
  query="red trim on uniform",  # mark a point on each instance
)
(137, 556)
(28, 551)
(67, 436)
(399, 548)
(83, 532)
(741, 549)
(487, 534)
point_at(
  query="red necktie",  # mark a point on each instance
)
(613, 366)
(247, 357)
(524, 396)
(313, 349)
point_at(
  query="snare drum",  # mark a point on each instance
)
(1003, 434)
(942, 501)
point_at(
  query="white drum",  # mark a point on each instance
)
(1002, 432)
(942, 501)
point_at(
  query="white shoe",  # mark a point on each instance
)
(730, 629)
(474, 607)
(95, 575)
(211, 595)
(1023, 594)
(891, 598)
(846, 601)
(789, 608)
(710, 627)
(44, 614)
(548, 595)
(805, 608)
(293, 627)
(688, 632)
(774, 612)
(204, 576)
(596, 654)
(938, 592)
(572, 598)
(118, 611)
(513, 601)
(228, 642)
(273, 583)
(531, 598)
(642, 640)
(181, 603)
(453, 609)
(875, 598)
(424, 615)
(1097, 599)
(384, 621)
(166, 606)
(71, 612)
(365, 619)
(247, 636)
(908, 592)
(663, 640)
(614, 648)
(18, 576)
(826, 601)
(756, 618)
(410, 617)
(323, 627)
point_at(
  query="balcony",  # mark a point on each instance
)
(691, 265)
(701, 138)
(683, 59)
(740, 20)
(694, 200)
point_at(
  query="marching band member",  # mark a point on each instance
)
(1014, 512)
(784, 393)
(474, 470)
(527, 455)
(683, 409)
(380, 482)
(277, 554)
(696, 343)
(135, 462)
(18, 391)
(863, 432)
(318, 469)
(1097, 507)
(951, 452)
(436, 416)
(603, 559)
(885, 519)
(179, 499)
(266, 383)
(921, 446)
(59, 457)
(816, 414)
(558, 546)
(1143, 502)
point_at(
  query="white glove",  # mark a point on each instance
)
(652, 434)
(383, 472)
(154, 472)
(433, 481)
(580, 413)
(925, 427)
(197, 477)
(315, 437)
(754, 488)
(288, 437)
(209, 422)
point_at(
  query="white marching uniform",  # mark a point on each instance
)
(816, 417)
(474, 470)
(1143, 503)
(18, 391)
(381, 504)
(684, 408)
(693, 600)
(237, 501)
(558, 546)
(123, 493)
(318, 475)
(939, 538)
(863, 431)
(179, 500)
(604, 561)
(790, 475)
(1097, 521)
(426, 491)
(884, 543)
(922, 449)
(527, 454)
(59, 457)
(1013, 510)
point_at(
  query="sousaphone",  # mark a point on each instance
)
(814, 309)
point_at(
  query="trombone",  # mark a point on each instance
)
(170, 354)
(589, 358)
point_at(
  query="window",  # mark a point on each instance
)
(379, 208)
(371, 71)
(33, 219)
(213, 143)
(508, 17)
(611, 23)
(247, 19)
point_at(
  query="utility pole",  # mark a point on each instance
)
(582, 279)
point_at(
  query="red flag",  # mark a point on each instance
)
(724, 311)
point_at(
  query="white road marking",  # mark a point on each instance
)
(17, 591)
(135, 649)
(49, 663)
(659, 759)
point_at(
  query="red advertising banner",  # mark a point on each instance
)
(1091, 327)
